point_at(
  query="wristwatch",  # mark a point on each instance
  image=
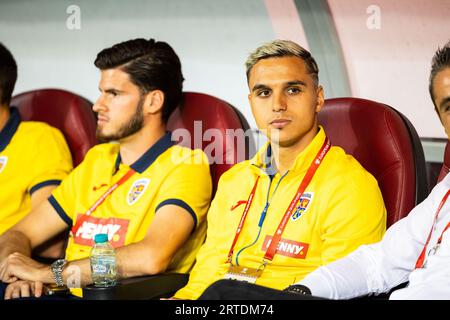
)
(298, 289)
(57, 269)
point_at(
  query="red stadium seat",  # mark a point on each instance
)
(446, 165)
(386, 144)
(206, 117)
(67, 111)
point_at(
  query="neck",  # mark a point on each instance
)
(4, 116)
(134, 146)
(284, 156)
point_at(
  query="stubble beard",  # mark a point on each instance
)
(129, 128)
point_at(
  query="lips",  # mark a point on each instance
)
(280, 123)
(101, 119)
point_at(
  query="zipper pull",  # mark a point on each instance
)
(263, 215)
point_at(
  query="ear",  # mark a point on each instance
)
(154, 101)
(320, 100)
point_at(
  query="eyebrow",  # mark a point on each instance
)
(259, 86)
(296, 83)
(289, 83)
(109, 90)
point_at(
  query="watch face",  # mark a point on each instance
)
(59, 263)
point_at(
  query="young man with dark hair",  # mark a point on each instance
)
(414, 249)
(299, 203)
(149, 195)
(34, 156)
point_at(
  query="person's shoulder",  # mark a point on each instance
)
(182, 153)
(36, 128)
(102, 151)
(345, 167)
(238, 171)
(341, 160)
(40, 135)
(104, 148)
(446, 180)
(440, 189)
(177, 156)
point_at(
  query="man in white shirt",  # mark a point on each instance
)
(416, 249)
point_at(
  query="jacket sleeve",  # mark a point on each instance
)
(378, 267)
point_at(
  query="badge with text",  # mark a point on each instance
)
(3, 161)
(85, 232)
(303, 205)
(239, 273)
(288, 248)
(137, 189)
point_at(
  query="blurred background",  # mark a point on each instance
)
(379, 50)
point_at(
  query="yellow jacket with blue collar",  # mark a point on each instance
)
(166, 174)
(341, 209)
(33, 155)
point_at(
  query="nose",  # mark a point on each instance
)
(99, 104)
(278, 102)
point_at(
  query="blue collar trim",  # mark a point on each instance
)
(10, 128)
(146, 160)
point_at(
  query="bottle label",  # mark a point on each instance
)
(98, 268)
(103, 268)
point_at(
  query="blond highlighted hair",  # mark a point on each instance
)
(283, 48)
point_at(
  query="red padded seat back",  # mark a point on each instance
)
(385, 143)
(67, 111)
(446, 165)
(212, 123)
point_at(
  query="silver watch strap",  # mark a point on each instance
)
(57, 269)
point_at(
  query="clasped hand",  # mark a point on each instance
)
(20, 267)
(24, 276)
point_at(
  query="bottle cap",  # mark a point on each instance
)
(101, 238)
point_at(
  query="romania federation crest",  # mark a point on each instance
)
(303, 205)
(3, 161)
(136, 190)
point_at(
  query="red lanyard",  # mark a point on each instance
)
(421, 260)
(241, 223)
(103, 197)
(271, 251)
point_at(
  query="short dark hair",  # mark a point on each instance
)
(151, 65)
(283, 48)
(8, 75)
(440, 61)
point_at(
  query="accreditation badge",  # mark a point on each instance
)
(240, 273)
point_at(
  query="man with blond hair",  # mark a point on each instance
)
(300, 203)
(414, 250)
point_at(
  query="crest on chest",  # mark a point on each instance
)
(137, 189)
(302, 206)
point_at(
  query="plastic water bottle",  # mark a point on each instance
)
(103, 262)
